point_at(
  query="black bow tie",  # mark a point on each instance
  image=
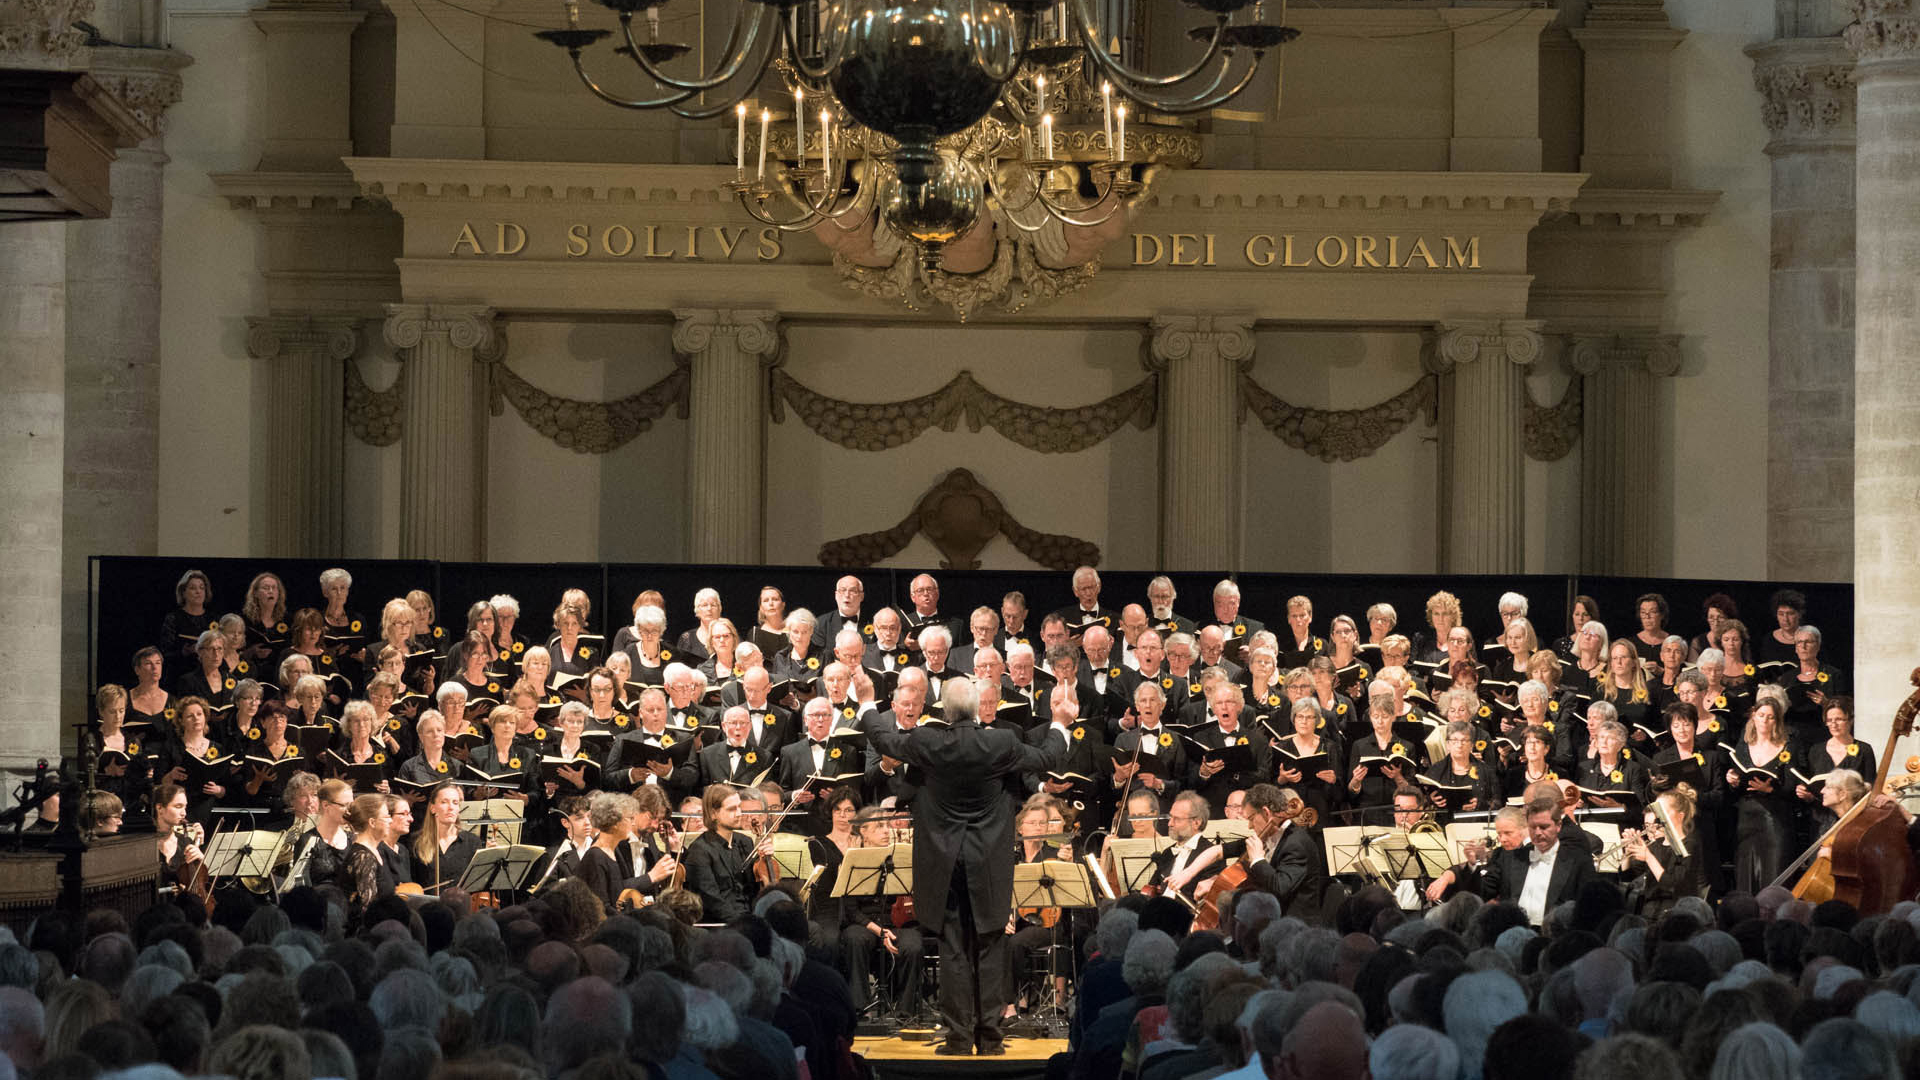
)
(817, 742)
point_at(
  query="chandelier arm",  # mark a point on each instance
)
(1123, 75)
(1208, 98)
(836, 52)
(737, 51)
(724, 102)
(1066, 216)
(997, 73)
(580, 68)
(803, 223)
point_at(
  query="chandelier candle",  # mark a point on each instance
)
(800, 126)
(1106, 112)
(740, 140)
(764, 117)
(1120, 150)
(826, 142)
(1046, 137)
(1040, 88)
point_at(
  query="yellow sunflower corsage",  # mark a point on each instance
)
(1079, 733)
(540, 734)
(586, 653)
(1273, 699)
(327, 659)
(666, 654)
(1193, 688)
(1853, 749)
(692, 722)
(229, 683)
(1480, 746)
(1318, 645)
(1341, 708)
(513, 763)
(834, 753)
(169, 713)
(212, 753)
(1239, 629)
(666, 739)
(493, 688)
(867, 630)
(354, 626)
(1165, 684)
(393, 723)
(519, 647)
(1486, 710)
(241, 667)
(1748, 669)
(1720, 702)
(1553, 706)
(1713, 725)
(1785, 756)
(1616, 776)
(620, 720)
(849, 712)
(902, 658)
(752, 757)
(253, 733)
(440, 766)
(1166, 739)
(1822, 677)
(1113, 673)
(279, 628)
(1397, 748)
(1241, 741)
(1699, 758)
(582, 756)
(379, 758)
(133, 748)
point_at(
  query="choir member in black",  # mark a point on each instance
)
(357, 745)
(346, 634)
(175, 845)
(1518, 644)
(180, 631)
(1683, 725)
(122, 765)
(1214, 779)
(1351, 670)
(1235, 627)
(1739, 672)
(307, 703)
(508, 642)
(612, 815)
(809, 756)
(474, 674)
(1538, 708)
(209, 680)
(721, 665)
(732, 760)
(1624, 686)
(769, 632)
(676, 774)
(1443, 614)
(565, 741)
(983, 626)
(1309, 736)
(501, 754)
(1148, 737)
(428, 636)
(323, 847)
(793, 658)
(150, 709)
(392, 851)
(441, 849)
(696, 645)
(573, 650)
(193, 741)
(1610, 768)
(305, 638)
(476, 643)
(1839, 750)
(1810, 685)
(1766, 806)
(1031, 929)
(1460, 768)
(396, 634)
(1789, 608)
(866, 930)
(648, 653)
(432, 764)
(1658, 874)
(266, 738)
(1589, 659)
(1653, 611)
(364, 876)
(1668, 665)
(1533, 764)
(265, 611)
(1370, 784)
(720, 859)
(1265, 695)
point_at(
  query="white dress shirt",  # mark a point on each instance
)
(1533, 895)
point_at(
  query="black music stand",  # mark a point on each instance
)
(876, 873)
(1052, 883)
(498, 869)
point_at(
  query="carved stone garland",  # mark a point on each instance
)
(1551, 430)
(374, 415)
(591, 427)
(1014, 280)
(881, 426)
(960, 516)
(1340, 435)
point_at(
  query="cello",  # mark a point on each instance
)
(1871, 866)
(1207, 915)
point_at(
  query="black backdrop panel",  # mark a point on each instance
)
(132, 595)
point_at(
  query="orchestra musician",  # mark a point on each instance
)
(400, 825)
(1510, 831)
(1660, 874)
(441, 848)
(720, 859)
(175, 847)
(1282, 856)
(1193, 859)
(867, 930)
(611, 814)
(364, 876)
(1545, 874)
(652, 851)
(1032, 929)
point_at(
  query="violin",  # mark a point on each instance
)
(1207, 915)
(194, 876)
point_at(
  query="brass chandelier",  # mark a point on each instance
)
(925, 111)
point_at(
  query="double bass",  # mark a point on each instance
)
(1871, 866)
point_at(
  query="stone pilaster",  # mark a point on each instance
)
(305, 360)
(1628, 47)
(308, 63)
(112, 452)
(1886, 479)
(444, 353)
(1200, 358)
(1483, 396)
(729, 352)
(33, 318)
(1807, 92)
(1620, 453)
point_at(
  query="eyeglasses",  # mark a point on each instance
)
(342, 805)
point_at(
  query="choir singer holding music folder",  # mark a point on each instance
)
(964, 851)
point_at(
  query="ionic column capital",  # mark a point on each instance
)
(1466, 341)
(466, 326)
(1175, 337)
(337, 337)
(754, 331)
(1655, 354)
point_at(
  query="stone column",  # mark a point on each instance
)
(1199, 359)
(305, 359)
(111, 459)
(1886, 459)
(729, 352)
(1807, 86)
(33, 318)
(1620, 454)
(443, 451)
(1483, 397)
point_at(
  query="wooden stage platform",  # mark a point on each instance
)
(903, 1059)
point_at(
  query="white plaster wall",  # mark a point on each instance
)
(1718, 299)
(1372, 515)
(817, 490)
(210, 478)
(550, 504)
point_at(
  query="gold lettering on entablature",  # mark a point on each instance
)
(638, 242)
(1326, 251)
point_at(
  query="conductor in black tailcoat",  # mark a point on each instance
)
(964, 853)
